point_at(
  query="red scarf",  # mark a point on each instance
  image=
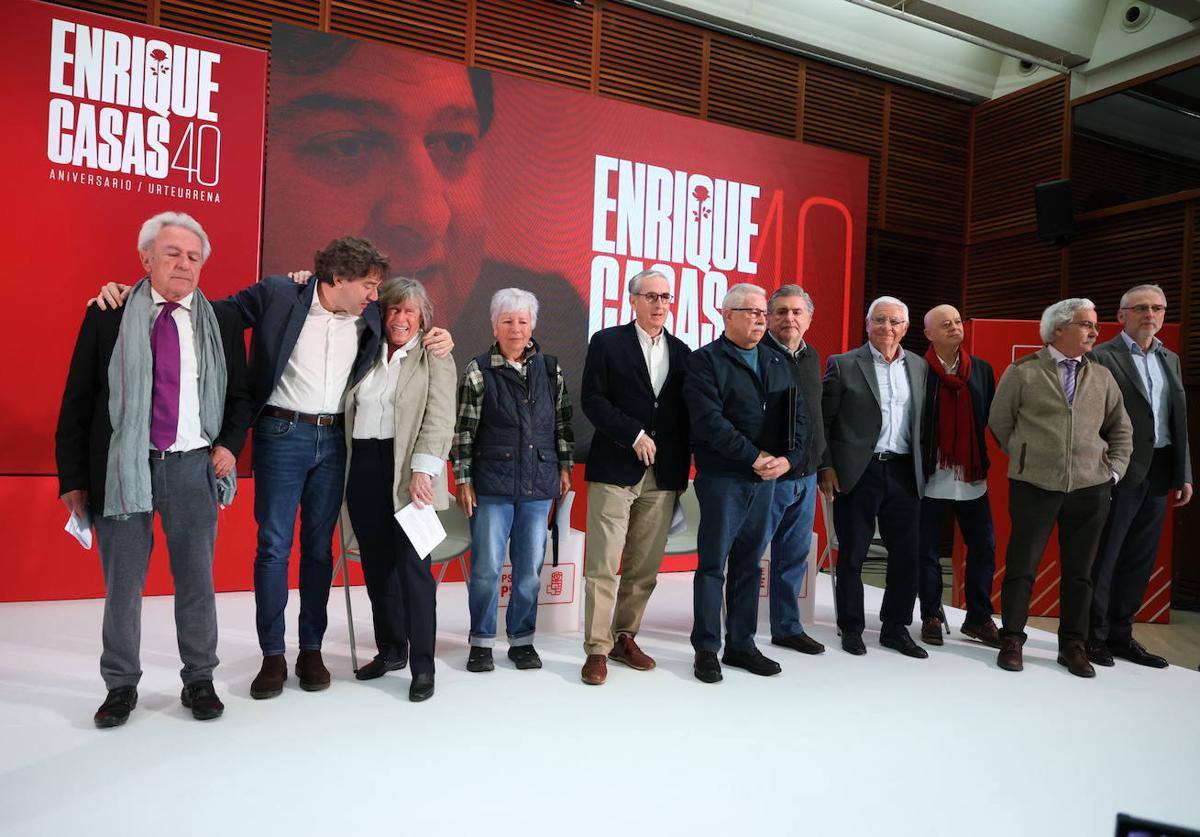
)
(957, 443)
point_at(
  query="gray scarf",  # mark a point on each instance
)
(130, 382)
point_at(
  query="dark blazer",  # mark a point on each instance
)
(735, 414)
(617, 398)
(82, 439)
(1114, 355)
(275, 308)
(982, 388)
(806, 375)
(853, 420)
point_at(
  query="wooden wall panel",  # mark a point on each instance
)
(438, 27)
(845, 110)
(240, 21)
(1111, 255)
(1190, 305)
(1105, 174)
(753, 87)
(919, 271)
(548, 41)
(926, 173)
(1017, 141)
(1012, 278)
(650, 60)
(127, 9)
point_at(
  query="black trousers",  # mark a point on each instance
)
(887, 492)
(400, 585)
(1033, 512)
(975, 521)
(1127, 551)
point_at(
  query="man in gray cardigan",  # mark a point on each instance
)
(1059, 417)
(1151, 381)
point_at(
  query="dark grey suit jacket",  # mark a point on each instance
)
(1115, 356)
(853, 419)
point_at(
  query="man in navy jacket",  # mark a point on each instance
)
(749, 426)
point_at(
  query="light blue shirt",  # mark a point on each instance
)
(894, 394)
(1150, 370)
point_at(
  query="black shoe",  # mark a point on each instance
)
(752, 660)
(379, 667)
(1135, 652)
(803, 643)
(853, 644)
(1098, 653)
(706, 667)
(201, 698)
(524, 657)
(899, 640)
(421, 687)
(116, 707)
(480, 659)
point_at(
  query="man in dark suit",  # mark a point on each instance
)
(872, 403)
(164, 375)
(1151, 381)
(633, 395)
(794, 501)
(958, 396)
(749, 426)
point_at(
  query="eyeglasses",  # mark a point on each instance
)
(1146, 309)
(888, 321)
(1086, 325)
(752, 313)
(654, 298)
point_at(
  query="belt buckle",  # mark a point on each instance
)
(324, 420)
(158, 454)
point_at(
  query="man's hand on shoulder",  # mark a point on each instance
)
(438, 342)
(112, 295)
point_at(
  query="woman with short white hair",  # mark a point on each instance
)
(513, 453)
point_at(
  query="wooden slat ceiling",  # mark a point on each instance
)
(753, 87)
(650, 60)
(127, 9)
(546, 41)
(845, 111)
(240, 21)
(1012, 278)
(438, 27)
(926, 186)
(1018, 142)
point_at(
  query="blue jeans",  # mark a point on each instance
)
(296, 467)
(734, 515)
(521, 524)
(792, 509)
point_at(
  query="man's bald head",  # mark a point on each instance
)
(944, 329)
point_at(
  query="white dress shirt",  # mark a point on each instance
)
(375, 404)
(944, 483)
(654, 352)
(1150, 370)
(895, 432)
(315, 378)
(188, 435)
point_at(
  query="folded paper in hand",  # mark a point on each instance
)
(423, 527)
(80, 528)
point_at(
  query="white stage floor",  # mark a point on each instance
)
(835, 745)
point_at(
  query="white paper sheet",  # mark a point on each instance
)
(423, 527)
(80, 528)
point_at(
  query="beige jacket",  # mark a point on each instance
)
(425, 415)
(1053, 445)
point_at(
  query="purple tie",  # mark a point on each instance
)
(164, 402)
(1069, 381)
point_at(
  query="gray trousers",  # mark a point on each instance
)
(184, 492)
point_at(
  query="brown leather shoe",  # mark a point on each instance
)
(626, 651)
(269, 681)
(931, 631)
(1074, 657)
(1009, 657)
(310, 668)
(595, 670)
(984, 632)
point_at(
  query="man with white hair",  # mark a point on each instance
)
(872, 402)
(154, 413)
(1151, 381)
(749, 426)
(1059, 417)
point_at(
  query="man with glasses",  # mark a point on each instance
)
(872, 403)
(632, 392)
(1058, 416)
(1151, 381)
(749, 426)
(794, 501)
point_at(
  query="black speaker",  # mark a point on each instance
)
(1055, 216)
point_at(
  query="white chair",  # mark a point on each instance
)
(684, 543)
(453, 548)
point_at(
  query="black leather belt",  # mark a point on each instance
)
(320, 419)
(885, 455)
(174, 454)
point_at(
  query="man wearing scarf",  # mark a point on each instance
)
(958, 396)
(154, 413)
